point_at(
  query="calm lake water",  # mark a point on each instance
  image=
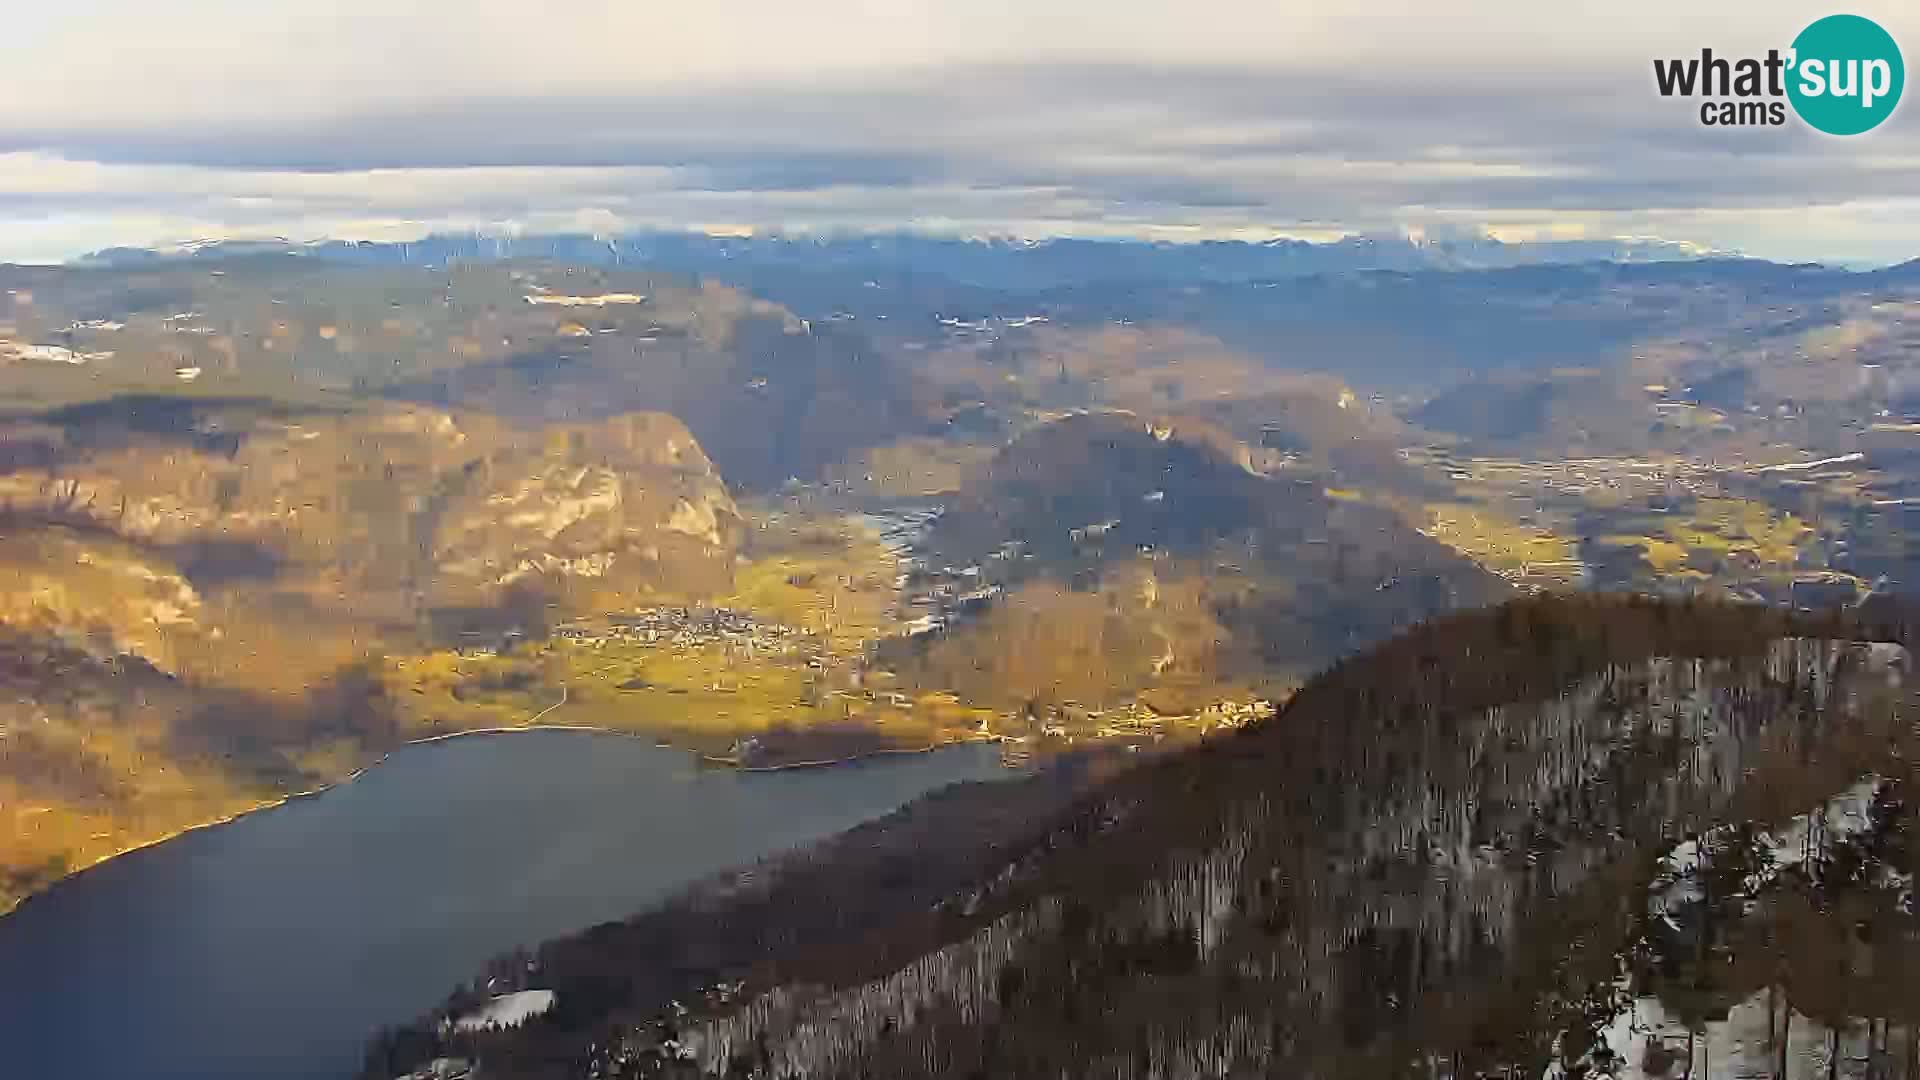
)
(273, 946)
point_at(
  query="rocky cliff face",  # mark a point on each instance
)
(98, 593)
(615, 510)
(372, 509)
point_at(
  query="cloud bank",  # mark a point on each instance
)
(127, 122)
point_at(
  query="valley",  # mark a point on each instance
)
(265, 524)
(287, 514)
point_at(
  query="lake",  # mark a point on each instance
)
(272, 946)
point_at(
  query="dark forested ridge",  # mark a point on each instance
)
(1464, 853)
(1247, 575)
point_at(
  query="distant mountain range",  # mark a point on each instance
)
(1389, 313)
(1001, 264)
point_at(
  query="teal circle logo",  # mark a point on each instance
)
(1845, 75)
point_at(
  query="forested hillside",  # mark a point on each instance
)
(1472, 850)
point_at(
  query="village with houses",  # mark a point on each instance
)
(756, 685)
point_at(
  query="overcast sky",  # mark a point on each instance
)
(134, 122)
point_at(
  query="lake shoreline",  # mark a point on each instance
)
(702, 757)
(402, 886)
(733, 762)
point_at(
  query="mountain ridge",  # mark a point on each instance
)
(981, 260)
(1185, 917)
